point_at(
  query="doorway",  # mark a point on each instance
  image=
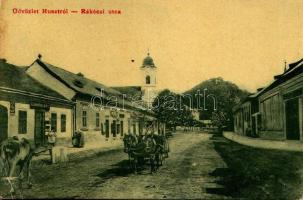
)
(107, 128)
(40, 138)
(292, 119)
(3, 123)
(254, 125)
(121, 122)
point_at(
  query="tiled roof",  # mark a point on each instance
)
(130, 91)
(83, 85)
(78, 82)
(15, 77)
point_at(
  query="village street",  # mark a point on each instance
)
(185, 174)
(200, 165)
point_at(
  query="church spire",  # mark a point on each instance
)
(148, 61)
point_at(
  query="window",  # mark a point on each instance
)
(113, 128)
(63, 123)
(97, 120)
(22, 122)
(122, 128)
(84, 119)
(102, 129)
(54, 122)
(118, 128)
(147, 79)
(107, 128)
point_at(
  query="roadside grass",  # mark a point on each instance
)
(258, 173)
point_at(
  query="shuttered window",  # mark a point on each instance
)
(63, 123)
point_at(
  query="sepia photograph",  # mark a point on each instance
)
(151, 99)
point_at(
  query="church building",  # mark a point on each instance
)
(146, 91)
(149, 80)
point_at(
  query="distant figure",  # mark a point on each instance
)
(51, 140)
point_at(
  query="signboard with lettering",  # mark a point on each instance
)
(39, 106)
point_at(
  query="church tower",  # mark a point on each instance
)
(149, 80)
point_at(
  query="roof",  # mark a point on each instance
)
(83, 85)
(78, 82)
(294, 69)
(130, 91)
(15, 77)
(148, 61)
(259, 92)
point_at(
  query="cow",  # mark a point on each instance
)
(15, 152)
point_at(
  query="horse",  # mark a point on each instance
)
(145, 148)
(15, 152)
(130, 142)
(162, 143)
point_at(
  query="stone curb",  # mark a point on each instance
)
(265, 144)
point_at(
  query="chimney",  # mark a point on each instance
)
(3, 60)
(80, 74)
(39, 56)
(285, 64)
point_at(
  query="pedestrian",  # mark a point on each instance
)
(51, 140)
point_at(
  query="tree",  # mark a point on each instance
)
(219, 120)
(225, 93)
(170, 110)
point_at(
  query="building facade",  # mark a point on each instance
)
(29, 109)
(101, 113)
(149, 80)
(279, 107)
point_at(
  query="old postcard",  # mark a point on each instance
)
(151, 99)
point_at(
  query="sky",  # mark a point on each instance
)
(242, 41)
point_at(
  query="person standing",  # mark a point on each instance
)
(51, 140)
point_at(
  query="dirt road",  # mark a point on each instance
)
(185, 174)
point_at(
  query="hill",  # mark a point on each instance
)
(215, 94)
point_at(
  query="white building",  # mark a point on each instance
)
(100, 112)
(148, 80)
(29, 109)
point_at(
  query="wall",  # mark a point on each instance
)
(13, 122)
(63, 138)
(272, 109)
(95, 134)
(242, 119)
(149, 90)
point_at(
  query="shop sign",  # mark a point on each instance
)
(39, 106)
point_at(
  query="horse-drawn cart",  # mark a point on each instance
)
(153, 148)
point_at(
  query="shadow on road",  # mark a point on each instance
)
(257, 173)
(120, 169)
